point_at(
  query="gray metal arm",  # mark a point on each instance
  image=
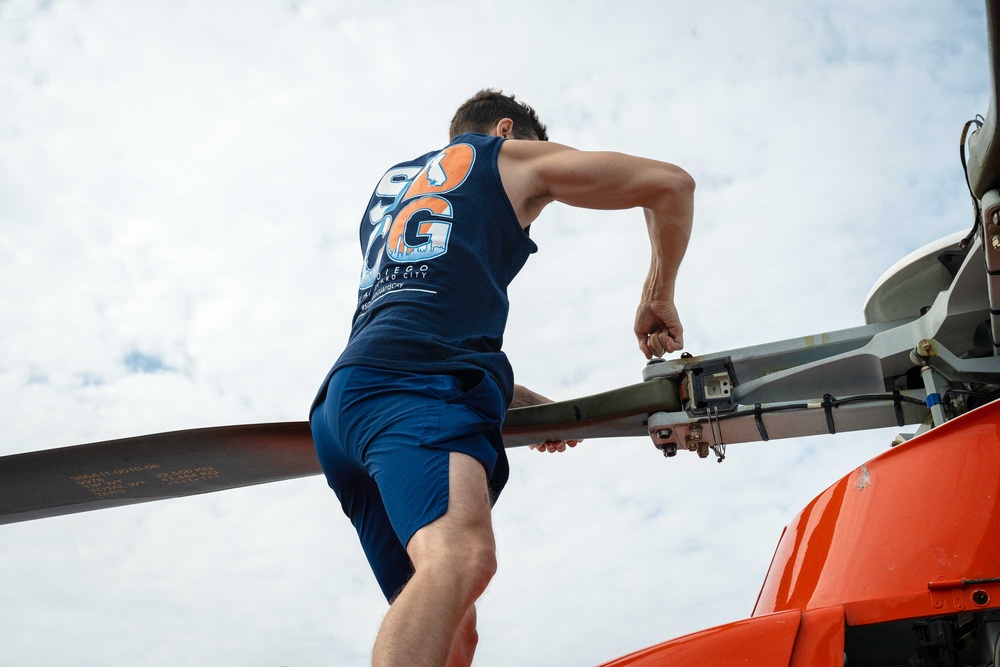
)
(915, 369)
(852, 379)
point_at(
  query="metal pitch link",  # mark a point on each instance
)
(933, 395)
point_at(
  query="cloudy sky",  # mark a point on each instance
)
(180, 187)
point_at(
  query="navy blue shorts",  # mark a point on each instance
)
(384, 439)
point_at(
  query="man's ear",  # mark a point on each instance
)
(504, 128)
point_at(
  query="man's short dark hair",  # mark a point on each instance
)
(481, 112)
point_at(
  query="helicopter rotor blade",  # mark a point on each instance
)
(99, 475)
(66, 480)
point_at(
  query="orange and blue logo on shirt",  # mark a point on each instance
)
(402, 231)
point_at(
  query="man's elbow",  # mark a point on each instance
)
(679, 181)
(671, 186)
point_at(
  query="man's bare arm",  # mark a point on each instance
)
(523, 397)
(537, 173)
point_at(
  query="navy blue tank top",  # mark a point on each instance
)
(441, 243)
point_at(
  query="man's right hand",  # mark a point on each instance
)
(658, 328)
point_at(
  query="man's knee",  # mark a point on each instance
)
(482, 565)
(472, 561)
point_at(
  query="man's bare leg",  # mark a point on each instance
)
(464, 646)
(454, 558)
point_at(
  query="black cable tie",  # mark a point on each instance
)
(760, 422)
(897, 403)
(828, 409)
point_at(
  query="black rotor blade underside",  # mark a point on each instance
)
(66, 480)
(59, 481)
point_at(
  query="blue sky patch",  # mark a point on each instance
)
(140, 362)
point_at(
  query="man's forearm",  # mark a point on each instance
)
(523, 397)
(669, 217)
(669, 227)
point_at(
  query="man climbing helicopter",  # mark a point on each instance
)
(407, 422)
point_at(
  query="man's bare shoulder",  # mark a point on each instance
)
(529, 148)
(522, 164)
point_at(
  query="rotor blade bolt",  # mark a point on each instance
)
(664, 433)
(995, 241)
(703, 450)
(669, 449)
(696, 434)
(927, 346)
